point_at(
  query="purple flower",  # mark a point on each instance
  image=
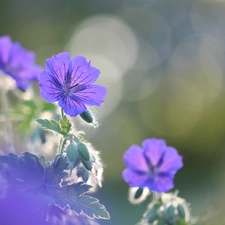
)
(69, 82)
(153, 167)
(18, 63)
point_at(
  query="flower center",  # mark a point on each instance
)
(70, 90)
(153, 170)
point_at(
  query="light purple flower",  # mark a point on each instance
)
(70, 83)
(154, 166)
(18, 63)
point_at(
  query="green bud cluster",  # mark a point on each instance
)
(167, 209)
(78, 156)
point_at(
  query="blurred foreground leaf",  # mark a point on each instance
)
(35, 175)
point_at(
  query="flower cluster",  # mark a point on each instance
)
(18, 63)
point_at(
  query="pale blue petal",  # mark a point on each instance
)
(154, 149)
(160, 184)
(72, 106)
(92, 95)
(50, 88)
(59, 65)
(135, 160)
(81, 72)
(134, 179)
(172, 161)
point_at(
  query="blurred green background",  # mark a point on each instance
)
(163, 63)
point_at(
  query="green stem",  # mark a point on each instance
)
(63, 145)
(5, 109)
(62, 113)
(60, 145)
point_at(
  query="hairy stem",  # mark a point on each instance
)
(62, 113)
(63, 143)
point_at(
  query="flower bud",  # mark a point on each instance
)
(87, 116)
(152, 217)
(161, 221)
(87, 164)
(138, 193)
(82, 148)
(153, 214)
(181, 210)
(170, 214)
(72, 155)
(83, 173)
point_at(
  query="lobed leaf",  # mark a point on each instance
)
(33, 174)
(65, 124)
(55, 172)
(73, 195)
(26, 172)
(51, 125)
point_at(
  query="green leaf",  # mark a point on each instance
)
(65, 124)
(51, 125)
(74, 196)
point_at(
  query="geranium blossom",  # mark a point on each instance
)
(154, 166)
(18, 63)
(70, 83)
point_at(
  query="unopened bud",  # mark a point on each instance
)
(87, 164)
(138, 193)
(161, 221)
(83, 150)
(181, 211)
(170, 213)
(152, 218)
(83, 173)
(87, 116)
(153, 214)
(71, 153)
